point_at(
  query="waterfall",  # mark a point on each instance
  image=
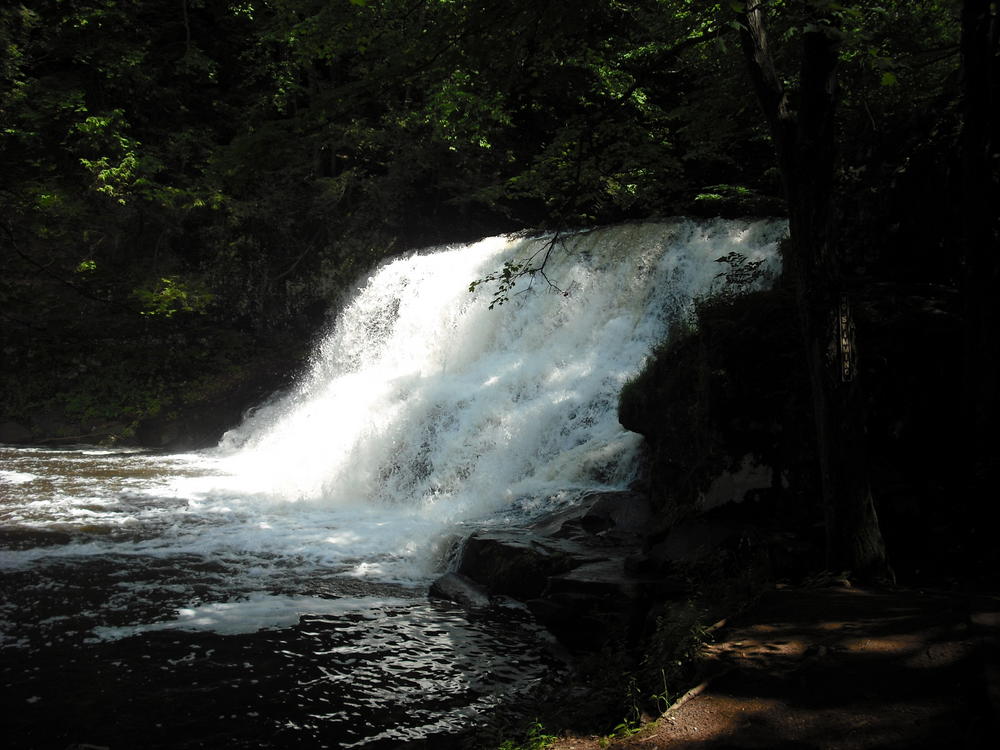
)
(421, 396)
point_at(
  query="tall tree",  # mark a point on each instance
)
(803, 129)
(981, 223)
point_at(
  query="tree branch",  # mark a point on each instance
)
(760, 63)
(45, 270)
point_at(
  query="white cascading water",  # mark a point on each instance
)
(423, 396)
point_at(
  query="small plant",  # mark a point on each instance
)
(171, 295)
(536, 739)
(742, 273)
(741, 276)
(671, 654)
(632, 723)
(626, 728)
(662, 701)
(717, 193)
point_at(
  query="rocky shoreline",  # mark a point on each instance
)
(607, 569)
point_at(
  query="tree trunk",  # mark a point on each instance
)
(806, 147)
(980, 209)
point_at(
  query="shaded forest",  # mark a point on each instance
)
(191, 187)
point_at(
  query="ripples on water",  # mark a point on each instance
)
(132, 616)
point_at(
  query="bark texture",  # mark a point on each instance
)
(805, 140)
(980, 210)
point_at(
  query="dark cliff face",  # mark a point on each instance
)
(728, 389)
(732, 393)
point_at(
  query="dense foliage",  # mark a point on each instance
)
(184, 181)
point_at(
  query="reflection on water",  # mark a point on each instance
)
(136, 615)
(379, 677)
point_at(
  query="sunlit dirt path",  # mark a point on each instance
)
(842, 668)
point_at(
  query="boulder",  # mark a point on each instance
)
(569, 567)
(516, 562)
(459, 589)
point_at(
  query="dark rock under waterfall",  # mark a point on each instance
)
(603, 571)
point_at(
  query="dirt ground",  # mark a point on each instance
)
(840, 667)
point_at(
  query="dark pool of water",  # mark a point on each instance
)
(98, 563)
(419, 675)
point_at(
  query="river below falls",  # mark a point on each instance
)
(138, 610)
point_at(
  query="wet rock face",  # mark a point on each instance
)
(723, 409)
(570, 568)
(604, 570)
(455, 587)
(515, 562)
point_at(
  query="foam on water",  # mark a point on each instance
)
(16, 477)
(256, 612)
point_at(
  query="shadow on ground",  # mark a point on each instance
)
(842, 668)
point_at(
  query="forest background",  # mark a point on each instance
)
(190, 188)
